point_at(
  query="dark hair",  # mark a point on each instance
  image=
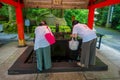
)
(75, 22)
(43, 23)
(40, 24)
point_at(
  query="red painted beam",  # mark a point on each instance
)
(91, 17)
(10, 2)
(1, 5)
(106, 3)
(20, 25)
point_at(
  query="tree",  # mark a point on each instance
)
(116, 17)
(102, 17)
(4, 12)
(11, 13)
(80, 14)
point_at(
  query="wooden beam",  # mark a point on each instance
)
(93, 2)
(21, 1)
(1, 5)
(98, 1)
(60, 4)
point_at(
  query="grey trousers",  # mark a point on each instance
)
(88, 53)
(43, 56)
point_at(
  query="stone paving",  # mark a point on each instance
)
(10, 52)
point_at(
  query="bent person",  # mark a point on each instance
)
(88, 48)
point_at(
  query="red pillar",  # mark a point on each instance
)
(91, 17)
(20, 25)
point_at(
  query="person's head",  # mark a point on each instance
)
(43, 23)
(75, 22)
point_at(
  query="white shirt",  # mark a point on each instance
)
(84, 32)
(40, 41)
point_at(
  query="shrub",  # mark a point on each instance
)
(118, 28)
(10, 27)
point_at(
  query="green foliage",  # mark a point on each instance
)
(80, 14)
(65, 29)
(57, 12)
(7, 12)
(102, 16)
(32, 35)
(61, 28)
(118, 28)
(33, 29)
(3, 13)
(116, 17)
(2, 22)
(53, 29)
(35, 14)
(4, 10)
(10, 27)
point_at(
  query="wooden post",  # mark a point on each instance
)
(20, 25)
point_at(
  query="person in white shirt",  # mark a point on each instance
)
(88, 47)
(42, 47)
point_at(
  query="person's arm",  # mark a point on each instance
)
(74, 32)
(74, 35)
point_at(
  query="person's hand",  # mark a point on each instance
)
(73, 35)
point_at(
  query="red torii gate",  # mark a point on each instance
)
(98, 5)
(19, 19)
(20, 22)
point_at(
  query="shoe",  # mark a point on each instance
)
(81, 65)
